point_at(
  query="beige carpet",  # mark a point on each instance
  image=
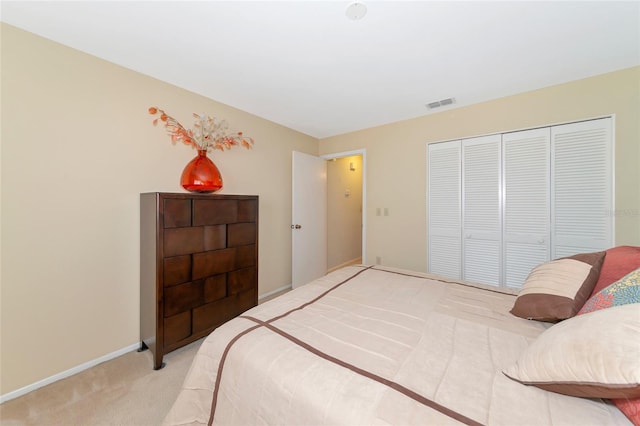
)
(122, 391)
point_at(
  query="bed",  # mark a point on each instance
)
(372, 345)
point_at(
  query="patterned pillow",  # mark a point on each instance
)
(556, 290)
(619, 262)
(625, 290)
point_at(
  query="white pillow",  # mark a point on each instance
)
(593, 356)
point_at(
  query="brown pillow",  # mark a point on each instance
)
(556, 290)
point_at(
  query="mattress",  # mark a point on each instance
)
(375, 346)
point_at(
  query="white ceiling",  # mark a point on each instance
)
(305, 65)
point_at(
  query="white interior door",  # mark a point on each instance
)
(582, 189)
(526, 227)
(444, 209)
(481, 210)
(309, 218)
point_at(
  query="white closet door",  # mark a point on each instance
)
(526, 228)
(582, 187)
(443, 206)
(481, 211)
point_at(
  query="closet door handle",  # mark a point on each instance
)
(296, 226)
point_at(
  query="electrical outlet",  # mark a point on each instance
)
(378, 211)
(378, 260)
(386, 211)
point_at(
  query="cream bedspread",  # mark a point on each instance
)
(375, 346)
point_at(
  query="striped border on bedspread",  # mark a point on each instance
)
(389, 383)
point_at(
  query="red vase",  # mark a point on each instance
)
(201, 175)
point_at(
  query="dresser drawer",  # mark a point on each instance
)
(181, 298)
(176, 270)
(214, 212)
(215, 288)
(213, 262)
(215, 237)
(248, 211)
(183, 241)
(177, 213)
(246, 256)
(242, 280)
(176, 328)
(216, 313)
(241, 234)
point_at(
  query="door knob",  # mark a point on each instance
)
(296, 226)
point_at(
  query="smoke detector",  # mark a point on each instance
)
(356, 11)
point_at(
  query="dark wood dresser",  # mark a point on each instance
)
(198, 265)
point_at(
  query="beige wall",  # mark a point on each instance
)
(78, 148)
(396, 156)
(344, 213)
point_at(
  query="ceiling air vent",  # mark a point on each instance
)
(443, 102)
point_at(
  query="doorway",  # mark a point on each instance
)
(345, 208)
(344, 211)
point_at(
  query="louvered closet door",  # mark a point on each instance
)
(526, 228)
(481, 211)
(443, 206)
(582, 187)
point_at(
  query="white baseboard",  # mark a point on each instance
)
(75, 370)
(355, 261)
(277, 290)
(63, 375)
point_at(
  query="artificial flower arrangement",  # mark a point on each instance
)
(208, 132)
